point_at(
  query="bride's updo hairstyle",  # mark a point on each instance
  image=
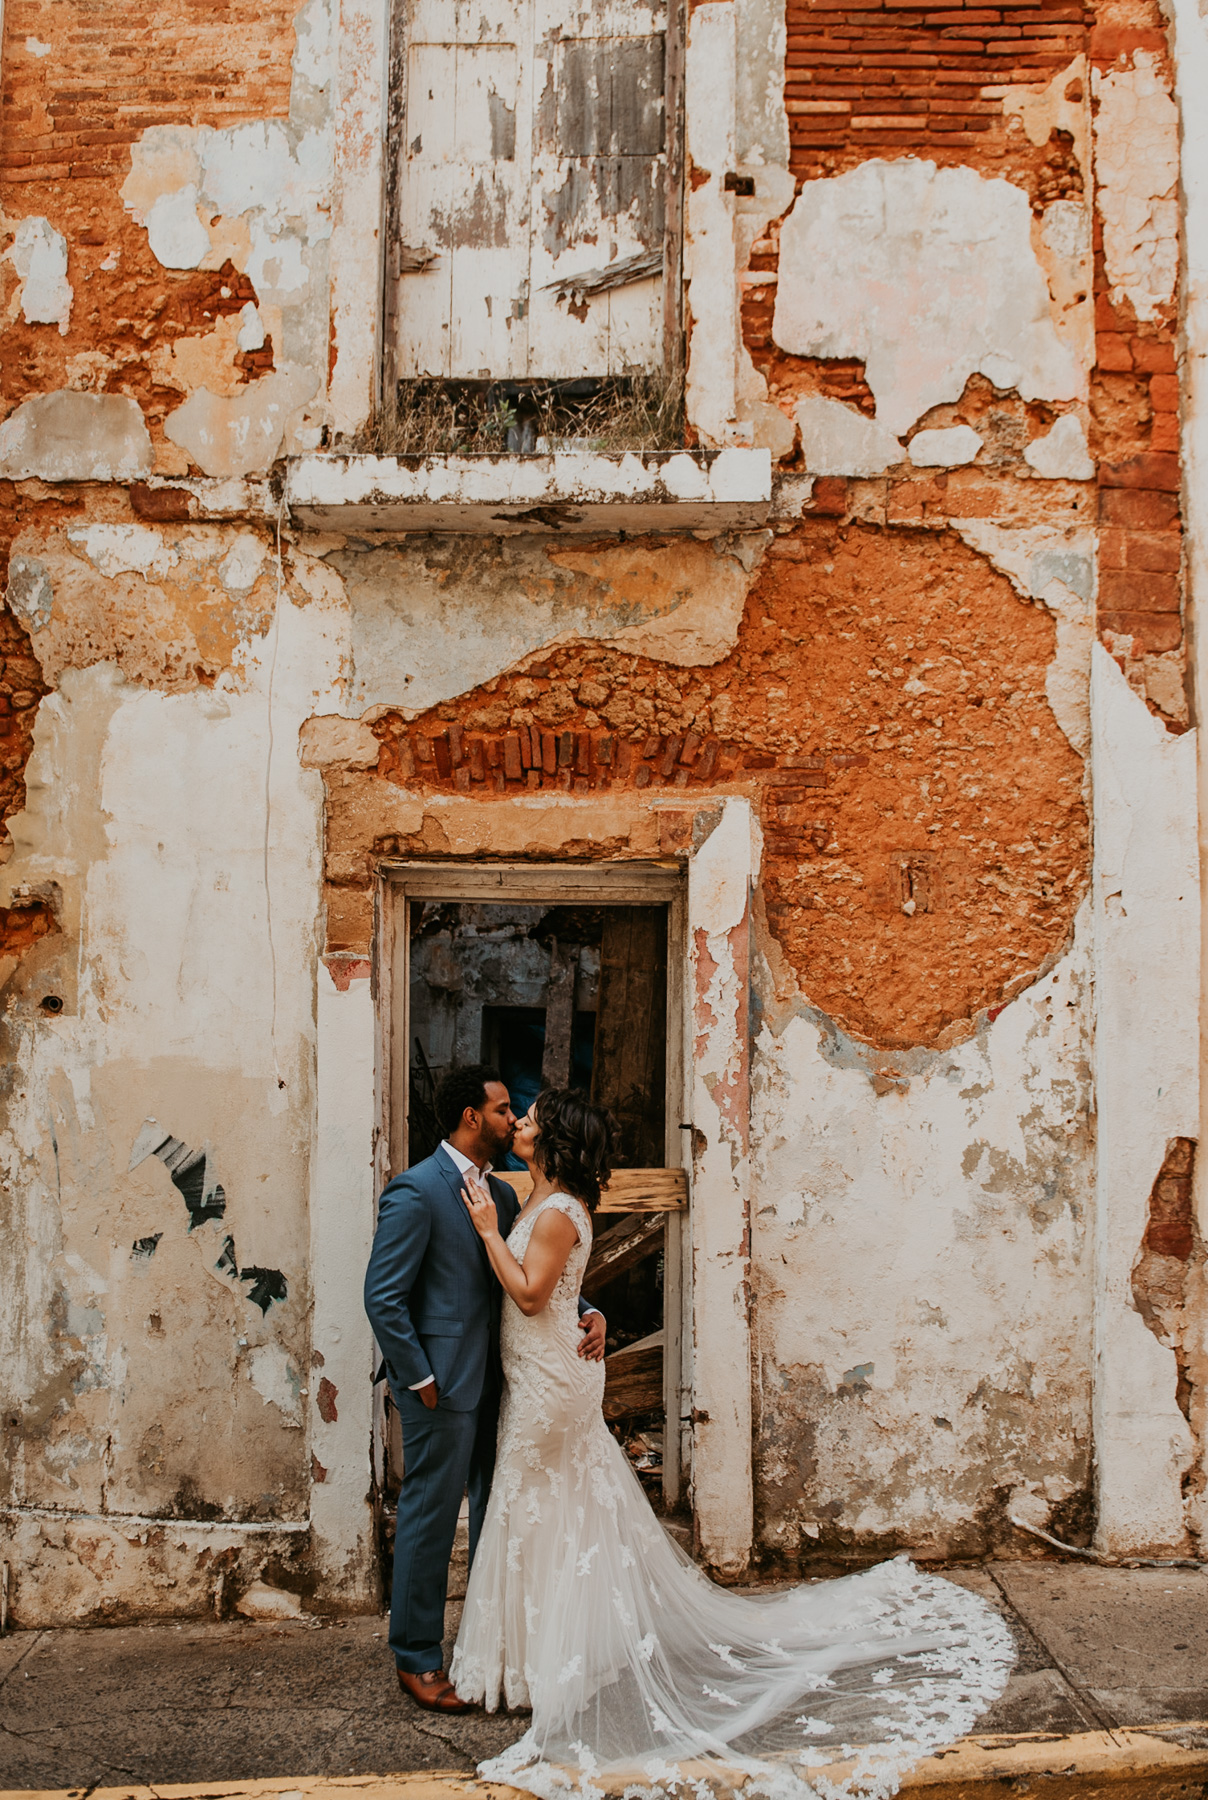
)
(577, 1142)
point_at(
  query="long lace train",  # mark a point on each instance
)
(644, 1676)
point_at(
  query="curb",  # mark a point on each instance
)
(1155, 1762)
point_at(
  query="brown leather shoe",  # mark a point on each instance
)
(433, 1691)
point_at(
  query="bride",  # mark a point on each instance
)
(640, 1673)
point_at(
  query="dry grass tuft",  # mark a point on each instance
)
(640, 413)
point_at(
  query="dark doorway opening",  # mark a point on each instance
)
(557, 996)
(556, 988)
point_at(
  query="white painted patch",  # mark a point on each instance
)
(1062, 455)
(1147, 1077)
(177, 237)
(941, 1235)
(330, 739)
(240, 568)
(125, 549)
(838, 440)
(254, 168)
(719, 886)
(35, 47)
(951, 446)
(65, 436)
(313, 50)
(281, 182)
(711, 392)
(1043, 109)
(277, 266)
(30, 591)
(39, 255)
(928, 276)
(241, 436)
(271, 1372)
(1136, 175)
(341, 1232)
(251, 329)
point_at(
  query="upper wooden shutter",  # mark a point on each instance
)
(532, 150)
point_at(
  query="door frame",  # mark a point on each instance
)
(557, 883)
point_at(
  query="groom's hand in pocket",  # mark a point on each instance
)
(428, 1395)
(594, 1331)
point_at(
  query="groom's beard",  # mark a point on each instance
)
(496, 1150)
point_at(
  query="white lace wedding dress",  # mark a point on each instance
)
(641, 1674)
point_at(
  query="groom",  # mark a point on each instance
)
(434, 1304)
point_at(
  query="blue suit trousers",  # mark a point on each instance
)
(445, 1454)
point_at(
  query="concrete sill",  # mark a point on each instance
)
(568, 491)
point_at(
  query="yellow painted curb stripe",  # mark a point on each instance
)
(1094, 1757)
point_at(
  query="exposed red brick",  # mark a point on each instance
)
(1154, 632)
(1153, 470)
(1138, 590)
(1136, 510)
(792, 717)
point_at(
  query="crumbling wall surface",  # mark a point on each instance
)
(164, 264)
(157, 1106)
(925, 842)
(921, 1241)
(905, 706)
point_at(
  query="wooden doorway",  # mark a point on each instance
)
(561, 975)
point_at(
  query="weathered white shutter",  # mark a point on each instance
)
(532, 152)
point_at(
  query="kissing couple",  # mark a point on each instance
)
(638, 1671)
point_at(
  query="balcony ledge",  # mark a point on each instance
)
(572, 491)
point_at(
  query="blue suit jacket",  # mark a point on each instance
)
(430, 1292)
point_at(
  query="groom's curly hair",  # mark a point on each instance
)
(578, 1142)
(461, 1088)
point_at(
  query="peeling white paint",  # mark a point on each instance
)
(939, 1236)
(950, 446)
(719, 887)
(251, 329)
(241, 435)
(1137, 170)
(240, 568)
(39, 255)
(125, 549)
(1061, 454)
(65, 436)
(838, 440)
(928, 276)
(177, 237)
(711, 389)
(274, 1377)
(1147, 1081)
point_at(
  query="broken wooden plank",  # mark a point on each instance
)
(645, 1190)
(622, 1249)
(633, 1378)
(630, 1190)
(613, 275)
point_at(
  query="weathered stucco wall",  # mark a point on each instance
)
(943, 1050)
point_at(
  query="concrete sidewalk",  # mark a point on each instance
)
(1111, 1684)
